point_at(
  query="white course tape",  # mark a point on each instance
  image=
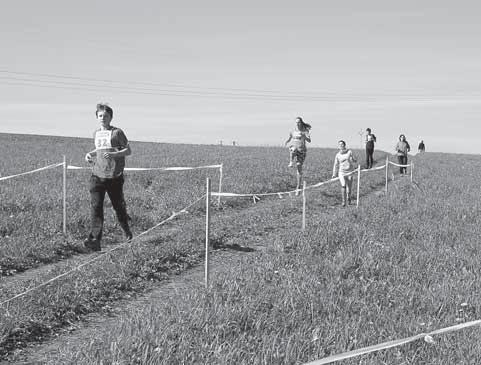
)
(31, 172)
(103, 254)
(280, 194)
(395, 164)
(70, 167)
(394, 343)
(374, 169)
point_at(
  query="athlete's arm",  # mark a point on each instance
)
(336, 166)
(353, 158)
(307, 136)
(90, 155)
(121, 153)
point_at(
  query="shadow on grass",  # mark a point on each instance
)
(219, 245)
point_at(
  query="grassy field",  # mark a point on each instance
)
(397, 266)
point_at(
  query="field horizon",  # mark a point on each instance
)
(400, 264)
(280, 145)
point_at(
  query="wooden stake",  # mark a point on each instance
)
(412, 168)
(387, 172)
(207, 232)
(358, 184)
(220, 184)
(303, 205)
(64, 196)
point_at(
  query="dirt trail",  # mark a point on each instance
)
(96, 323)
(40, 274)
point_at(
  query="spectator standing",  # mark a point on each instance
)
(402, 148)
(370, 140)
(421, 147)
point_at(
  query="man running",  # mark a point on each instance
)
(108, 159)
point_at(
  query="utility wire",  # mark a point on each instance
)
(156, 89)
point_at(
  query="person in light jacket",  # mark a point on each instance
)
(402, 148)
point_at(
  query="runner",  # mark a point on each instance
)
(297, 147)
(344, 162)
(402, 148)
(370, 139)
(108, 159)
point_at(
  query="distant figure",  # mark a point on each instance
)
(220, 143)
(402, 148)
(421, 147)
(233, 143)
(297, 147)
(343, 165)
(108, 162)
(370, 139)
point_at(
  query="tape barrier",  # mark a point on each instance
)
(280, 194)
(70, 167)
(33, 171)
(398, 165)
(389, 344)
(374, 168)
(103, 254)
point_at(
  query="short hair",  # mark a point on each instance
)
(368, 130)
(401, 136)
(105, 108)
(342, 141)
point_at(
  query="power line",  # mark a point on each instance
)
(177, 90)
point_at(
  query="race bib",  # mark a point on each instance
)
(103, 140)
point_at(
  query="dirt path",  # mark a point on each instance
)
(95, 324)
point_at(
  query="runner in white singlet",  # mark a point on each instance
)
(344, 163)
(297, 147)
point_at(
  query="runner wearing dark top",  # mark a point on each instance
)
(108, 159)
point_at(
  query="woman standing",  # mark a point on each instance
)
(297, 147)
(402, 148)
(343, 166)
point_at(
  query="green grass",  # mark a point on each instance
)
(31, 209)
(392, 268)
(388, 270)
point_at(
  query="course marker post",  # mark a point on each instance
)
(358, 184)
(412, 167)
(220, 183)
(64, 196)
(387, 172)
(207, 232)
(304, 205)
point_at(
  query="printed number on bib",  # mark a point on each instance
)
(103, 139)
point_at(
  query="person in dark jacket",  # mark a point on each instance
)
(421, 147)
(370, 139)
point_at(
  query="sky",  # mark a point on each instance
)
(207, 71)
